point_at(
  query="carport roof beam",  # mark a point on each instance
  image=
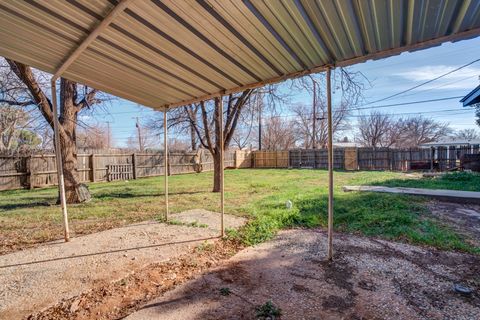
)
(119, 8)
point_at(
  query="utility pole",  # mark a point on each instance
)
(139, 129)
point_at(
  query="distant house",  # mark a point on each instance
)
(471, 98)
(342, 144)
(451, 142)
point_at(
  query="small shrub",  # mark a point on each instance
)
(225, 291)
(174, 222)
(204, 247)
(196, 224)
(268, 311)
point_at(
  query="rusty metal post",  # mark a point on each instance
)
(165, 161)
(330, 167)
(219, 102)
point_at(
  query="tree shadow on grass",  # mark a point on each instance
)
(16, 206)
(128, 195)
(32, 202)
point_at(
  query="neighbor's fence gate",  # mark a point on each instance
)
(316, 158)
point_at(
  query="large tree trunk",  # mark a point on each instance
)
(217, 169)
(69, 107)
(75, 192)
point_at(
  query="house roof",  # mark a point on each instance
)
(451, 142)
(472, 97)
(166, 53)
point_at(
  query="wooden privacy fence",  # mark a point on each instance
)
(40, 170)
(441, 158)
(36, 171)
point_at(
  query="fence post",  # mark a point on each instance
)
(452, 157)
(432, 156)
(134, 165)
(31, 172)
(94, 166)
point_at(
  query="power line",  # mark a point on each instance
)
(425, 82)
(440, 86)
(407, 103)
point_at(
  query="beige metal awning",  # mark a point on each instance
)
(166, 53)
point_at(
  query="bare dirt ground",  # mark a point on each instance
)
(369, 279)
(463, 218)
(34, 279)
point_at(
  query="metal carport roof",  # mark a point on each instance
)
(166, 53)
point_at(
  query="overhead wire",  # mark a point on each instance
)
(425, 82)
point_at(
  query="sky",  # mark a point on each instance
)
(386, 77)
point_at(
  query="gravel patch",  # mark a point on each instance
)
(368, 279)
(36, 278)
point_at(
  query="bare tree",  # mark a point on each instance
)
(29, 89)
(208, 129)
(467, 134)
(200, 122)
(377, 130)
(243, 135)
(279, 134)
(383, 130)
(311, 121)
(12, 119)
(143, 139)
(303, 123)
(93, 137)
(418, 130)
(181, 121)
(46, 135)
(175, 144)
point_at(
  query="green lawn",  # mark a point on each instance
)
(453, 181)
(29, 216)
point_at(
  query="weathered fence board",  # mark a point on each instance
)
(351, 159)
(270, 159)
(316, 159)
(243, 159)
(37, 171)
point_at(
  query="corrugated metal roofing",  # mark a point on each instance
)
(163, 53)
